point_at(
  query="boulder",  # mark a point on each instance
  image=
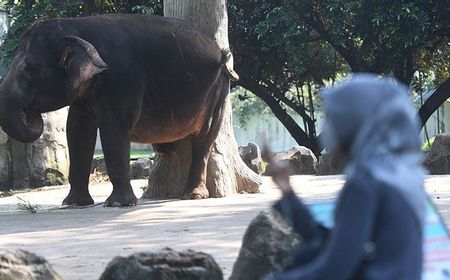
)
(251, 155)
(31, 162)
(98, 165)
(53, 177)
(166, 264)
(4, 162)
(140, 169)
(437, 160)
(267, 246)
(24, 265)
(331, 164)
(301, 161)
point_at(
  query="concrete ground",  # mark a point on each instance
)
(80, 242)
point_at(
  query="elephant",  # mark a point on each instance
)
(139, 78)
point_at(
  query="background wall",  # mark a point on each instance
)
(265, 125)
(4, 24)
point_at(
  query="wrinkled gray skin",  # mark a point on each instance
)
(134, 78)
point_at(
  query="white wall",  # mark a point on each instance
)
(432, 123)
(268, 126)
(134, 146)
(4, 25)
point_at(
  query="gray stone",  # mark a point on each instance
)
(251, 155)
(140, 169)
(53, 177)
(166, 264)
(24, 265)
(437, 160)
(50, 151)
(267, 246)
(301, 161)
(99, 165)
(3, 137)
(5, 161)
(30, 162)
(331, 164)
(439, 165)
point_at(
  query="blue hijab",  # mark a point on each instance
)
(373, 120)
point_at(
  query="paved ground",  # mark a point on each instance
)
(80, 242)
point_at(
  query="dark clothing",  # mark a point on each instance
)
(376, 235)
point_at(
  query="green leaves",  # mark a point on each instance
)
(20, 17)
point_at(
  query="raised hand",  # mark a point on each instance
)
(279, 170)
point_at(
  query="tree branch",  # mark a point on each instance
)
(438, 97)
(346, 52)
(288, 122)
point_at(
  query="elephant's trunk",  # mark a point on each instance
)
(19, 123)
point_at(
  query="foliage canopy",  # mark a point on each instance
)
(293, 44)
(24, 12)
(285, 50)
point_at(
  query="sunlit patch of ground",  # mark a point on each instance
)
(80, 242)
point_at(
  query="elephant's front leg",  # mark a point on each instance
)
(115, 137)
(81, 136)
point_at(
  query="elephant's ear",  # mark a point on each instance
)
(81, 60)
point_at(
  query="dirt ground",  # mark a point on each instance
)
(80, 242)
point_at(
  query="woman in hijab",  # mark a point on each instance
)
(377, 231)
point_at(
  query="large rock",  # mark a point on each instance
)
(251, 155)
(140, 169)
(331, 164)
(98, 165)
(268, 246)
(45, 161)
(5, 161)
(301, 161)
(167, 265)
(24, 265)
(437, 160)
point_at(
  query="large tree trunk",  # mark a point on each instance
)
(227, 173)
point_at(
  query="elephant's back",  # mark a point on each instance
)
(151, 34)
(166, 49)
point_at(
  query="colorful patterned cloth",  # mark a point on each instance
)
(437, 240)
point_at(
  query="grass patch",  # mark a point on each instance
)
(427, 145)
(133, 153)
(141, 153)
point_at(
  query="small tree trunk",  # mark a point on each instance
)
(226, 172)
(28, 5)
(89, 7)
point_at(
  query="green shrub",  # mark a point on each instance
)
(427, 145)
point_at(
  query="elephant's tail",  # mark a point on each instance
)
(226, 63)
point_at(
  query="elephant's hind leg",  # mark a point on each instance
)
(202, 144)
